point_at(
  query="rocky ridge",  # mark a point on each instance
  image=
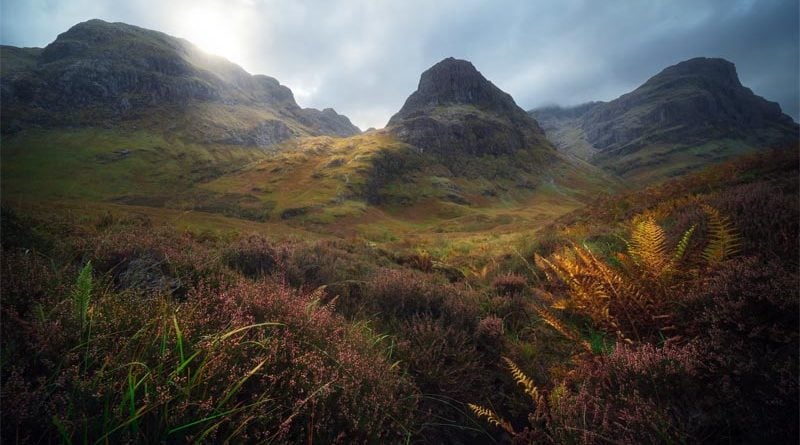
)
(99, 71)
(687, 104)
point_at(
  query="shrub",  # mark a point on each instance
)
(328, 262)
(638, 394)
(421, 261)
(515, 311)
(253, 361)
(397, 295)
(747, 315)
(509, 284)
(489, 334)
(442, 359)
(635, 395)
(153, 260)
(252, 256)
(28, 278)
(18, 231)
(767, 218)
(445, 365)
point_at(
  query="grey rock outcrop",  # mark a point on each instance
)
(455, 110)
(265, 134)
(687, 104)
(330, 122)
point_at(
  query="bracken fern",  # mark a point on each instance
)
(648, 246)
(723, 241)
(632, 301)
(82, 294)
(521, 378)
(683, 244)
(597, 290)
(491, 417)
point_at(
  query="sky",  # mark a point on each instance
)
(364, 57)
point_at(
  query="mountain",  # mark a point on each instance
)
(686, 116)
(100, 73)
(460, 156)
(111, 117)
(456, 111)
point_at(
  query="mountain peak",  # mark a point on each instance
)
(689, 114)
(454, 81)
(457, 110)
(716, 70)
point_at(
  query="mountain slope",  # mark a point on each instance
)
(459, 164)
(101, 73)
(686, 116)
(167, 130)
(456, 111)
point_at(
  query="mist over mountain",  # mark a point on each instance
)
(696, 103)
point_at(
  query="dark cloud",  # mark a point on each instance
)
(364, 57)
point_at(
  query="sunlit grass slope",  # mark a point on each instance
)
(111, 165)
(369, 186)
(378, 188)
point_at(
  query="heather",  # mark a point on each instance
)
(664, 315)
(686, 331)
(231, 359)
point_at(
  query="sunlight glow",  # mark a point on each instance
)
(208, 27)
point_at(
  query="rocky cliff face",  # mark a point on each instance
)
(328, 121)
(696, 103)
(455, 110)
(98, 70)
(689, 103)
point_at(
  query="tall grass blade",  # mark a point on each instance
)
(240, 383)
(178, 336)
(62, 430)
(244, 328)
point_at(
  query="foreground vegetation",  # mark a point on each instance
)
(668, 315)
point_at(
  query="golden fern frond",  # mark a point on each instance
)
(626, 262)
(582, 274)
(561, 266)
(683, 244)
(574, 274)
(723, 241)
(554, 323)
(596, 290)
(602, 270)
(545, 265)
(544, 296)
(521, 378)
(592, 284)
(647, 246)
(610, 284)
(491, 417)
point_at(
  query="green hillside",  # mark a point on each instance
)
(370, 186)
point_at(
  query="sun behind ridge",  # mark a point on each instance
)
(212, 31)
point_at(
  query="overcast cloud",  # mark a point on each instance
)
(364, 57)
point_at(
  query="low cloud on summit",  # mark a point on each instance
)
(364, 57)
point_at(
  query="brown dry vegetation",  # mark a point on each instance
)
(668, 315)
